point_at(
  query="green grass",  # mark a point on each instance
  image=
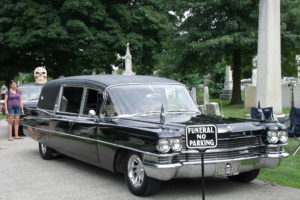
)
(2, 117)
(288, 172)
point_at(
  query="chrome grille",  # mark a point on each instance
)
(253, 142)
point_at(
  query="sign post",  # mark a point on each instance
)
(202, 137)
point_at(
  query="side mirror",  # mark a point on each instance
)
(92, 113)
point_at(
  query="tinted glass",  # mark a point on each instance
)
(93, 101)
(71, 99)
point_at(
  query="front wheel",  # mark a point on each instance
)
(137, 181)
(46, 152)
(245, 177)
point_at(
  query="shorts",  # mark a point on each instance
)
(14, 110)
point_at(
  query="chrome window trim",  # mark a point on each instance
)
(85, 99)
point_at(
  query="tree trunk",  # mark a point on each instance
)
(236, 91)
(61, 61)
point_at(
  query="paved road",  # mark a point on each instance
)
(24, 175)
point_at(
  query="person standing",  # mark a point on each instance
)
(13, 108)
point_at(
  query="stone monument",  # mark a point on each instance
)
(268, 91)
(115, 69)
(298, 67)
(194, 95)
(128, 62)
(254, 71)
(40, 75)
(205, 95)
(227, 91)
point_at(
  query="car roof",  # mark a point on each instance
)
(110, 80)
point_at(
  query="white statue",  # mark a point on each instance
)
(115, 69)
(128, 62)
(40, 75)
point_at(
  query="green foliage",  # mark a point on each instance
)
(217, 77)
(71, 36)
(29, 78)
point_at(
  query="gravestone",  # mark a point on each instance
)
(227, 91)
(206, 79)
(115, 69)
(194, 95)
(298, 66)
(128, 62)
(297, 96)
(286, 96)
(212, 109)
(205, 95)
(202, 109)
(250, 97)
(268, 91)
(254, 71)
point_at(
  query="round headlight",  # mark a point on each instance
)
(283, 136)
(163, 145)
(175, 144)
(272, 137)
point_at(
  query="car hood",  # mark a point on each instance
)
(30, 104)
(177, 123)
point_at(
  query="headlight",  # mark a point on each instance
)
(272, 137)
(163, 145)
(175, 144)
(283, 136)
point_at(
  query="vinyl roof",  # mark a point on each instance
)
(109, 80)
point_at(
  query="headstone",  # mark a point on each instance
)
(202, 109)
(297, 96)
(254, 71)
(250, 97)
(245, 82)
(194, 95)
(206, 79)
(212, 109)
(286, 96)
(298, 66)
(115, 69)
(3, 89)
(128, 62)
(40, 75)
(205, 95)
(227, 90)
(268, 91)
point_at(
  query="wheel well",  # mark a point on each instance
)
(119, 161)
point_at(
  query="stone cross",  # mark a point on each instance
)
(298, 66)
(254, 71)
(128, 62)
(268, 91)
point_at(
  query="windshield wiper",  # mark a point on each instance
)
(146, 113)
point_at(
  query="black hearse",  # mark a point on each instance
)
(149, 129)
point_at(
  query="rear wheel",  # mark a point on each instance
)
(245, 177)
(46, 152)
(137, 181)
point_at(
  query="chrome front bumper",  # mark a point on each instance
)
(193, 169)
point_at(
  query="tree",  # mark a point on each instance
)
(71, 36)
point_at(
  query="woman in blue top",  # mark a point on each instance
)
(13, 108)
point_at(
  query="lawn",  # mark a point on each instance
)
(2, 117)
(288, 172)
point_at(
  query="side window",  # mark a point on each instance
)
(93, 101)
(71, 99)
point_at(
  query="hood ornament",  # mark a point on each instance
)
(162, 115)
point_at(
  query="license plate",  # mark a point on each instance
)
(201, 136)
(228, 168)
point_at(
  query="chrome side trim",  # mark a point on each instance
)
(105, 142)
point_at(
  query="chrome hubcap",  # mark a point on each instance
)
(136, 172)
(44, 148)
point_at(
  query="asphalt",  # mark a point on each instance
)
(24, 175)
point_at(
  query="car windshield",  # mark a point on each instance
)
(30, 92)
(148, 99)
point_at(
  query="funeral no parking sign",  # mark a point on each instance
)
(201, 136)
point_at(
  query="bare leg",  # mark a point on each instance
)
(17, 119)
(10, 122)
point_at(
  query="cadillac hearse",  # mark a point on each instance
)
(149, 129)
